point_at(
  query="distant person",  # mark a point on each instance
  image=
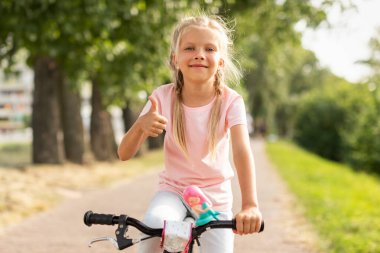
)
(200, 114)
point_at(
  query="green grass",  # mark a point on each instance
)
(18, 154)
(21, 195)
(343, 205)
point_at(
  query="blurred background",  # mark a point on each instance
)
(75, 74)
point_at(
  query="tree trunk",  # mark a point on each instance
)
(103, 144)
(155, 142)
(72, 123)
(129, 117)
(47, 136)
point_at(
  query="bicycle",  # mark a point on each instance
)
(187, 235)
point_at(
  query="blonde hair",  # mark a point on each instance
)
(230, 73)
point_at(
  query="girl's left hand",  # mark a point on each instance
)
(248, 221)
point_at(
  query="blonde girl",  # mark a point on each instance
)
(201, 116)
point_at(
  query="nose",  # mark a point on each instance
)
(199, 55)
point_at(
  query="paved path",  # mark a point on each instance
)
(61, 230)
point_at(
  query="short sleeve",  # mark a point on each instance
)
(236, 114)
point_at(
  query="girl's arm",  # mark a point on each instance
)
(131, 141)
(150, 124)
(248, 220)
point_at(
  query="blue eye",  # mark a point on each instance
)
(210, 49)
(189, 49)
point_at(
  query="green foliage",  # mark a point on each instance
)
(363, 142)
(339, 202)
(341, 123)
(278, 67)
(374, 63)
(124, 44)
(277, 64)
(118, 43)
(317, 125)
(27, 120)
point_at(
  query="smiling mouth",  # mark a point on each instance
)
(198, 66)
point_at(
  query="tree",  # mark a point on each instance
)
(51, 39)
(273, 52)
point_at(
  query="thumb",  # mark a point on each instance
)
(154, 103)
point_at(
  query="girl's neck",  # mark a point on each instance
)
(197, 95)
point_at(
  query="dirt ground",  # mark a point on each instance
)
(61, 229)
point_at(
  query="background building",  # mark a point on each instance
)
(15, 107)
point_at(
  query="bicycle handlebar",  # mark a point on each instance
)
(91, 218)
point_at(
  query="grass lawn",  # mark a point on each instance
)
(17, 154)
(343, 205)
(26, 189)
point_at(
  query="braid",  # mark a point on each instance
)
(178, 114)
(179, 83)
(215, 113)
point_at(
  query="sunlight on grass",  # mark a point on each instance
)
(15, 154)
(36, 188)
(341, 203)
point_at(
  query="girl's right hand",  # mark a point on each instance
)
(152, 123)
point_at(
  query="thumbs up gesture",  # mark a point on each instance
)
(152, 123)
(154, 104)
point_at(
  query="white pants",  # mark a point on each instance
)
(169, 206)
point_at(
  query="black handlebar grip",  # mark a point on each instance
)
(262, 227)
(100, 219)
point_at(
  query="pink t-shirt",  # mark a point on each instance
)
(211, 173)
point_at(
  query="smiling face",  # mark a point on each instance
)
(193, 201)
(198, 55)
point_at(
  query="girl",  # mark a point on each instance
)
(200, 115)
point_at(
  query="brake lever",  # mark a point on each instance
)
(105, 238)
(121, 241)
(126, 243)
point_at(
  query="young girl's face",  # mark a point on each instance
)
(198, 55)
